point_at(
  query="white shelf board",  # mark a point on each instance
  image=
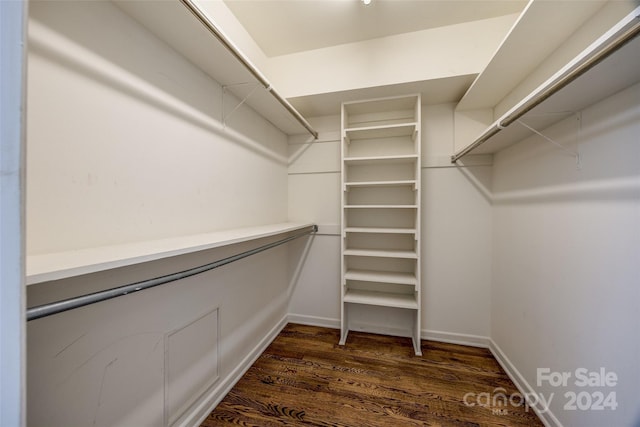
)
(55, 266)
(381, 206)
(381, 105)
(525, 47)
(380, 230)
(386, 299)
(405, 158)
(381, 131)
(381, 253)
(381, 277)
(402, 183)
(173, 23)
(615, 73)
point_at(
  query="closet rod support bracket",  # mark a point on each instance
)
(226, 117)
(573, 153)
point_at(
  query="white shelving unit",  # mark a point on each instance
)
(381, 207)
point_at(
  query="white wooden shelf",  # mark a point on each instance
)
(381, 253)
(381, 131)
(388, 109)
(529, 45)
(381, 277)
(405, 158)
(399, 183)
(380, 230)
(55, 266)
(616, 72)
(381, 207)
(386, 299)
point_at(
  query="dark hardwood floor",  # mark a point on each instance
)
(305, 378)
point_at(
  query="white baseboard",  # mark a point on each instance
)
(325, 322)
(448, 337)
(201, 411)
(455, 338)
(547, 417)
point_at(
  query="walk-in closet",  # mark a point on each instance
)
(348, 212)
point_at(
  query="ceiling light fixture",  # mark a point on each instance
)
(366, 2)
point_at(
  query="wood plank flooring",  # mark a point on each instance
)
(304, 378)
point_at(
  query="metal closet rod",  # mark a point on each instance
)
(56, 307)
(228, 44)
(624, 35)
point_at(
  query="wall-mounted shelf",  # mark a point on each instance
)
(55, 266)
(409, 182)
(381, 277)
(525, 47)
(380, 230)
(382, 159)
(383, 131)
(607, 66)
(384, 299)
(186, 28)
(390, 253)
(381, 206)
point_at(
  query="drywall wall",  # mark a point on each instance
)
(314, 193)
(456, 236)
(125, 144)
(566, 245)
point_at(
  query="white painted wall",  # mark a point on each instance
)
(566, 247)
(456, 224)
(456, 239)
(314, 194)
(125, 144)
(13, 18)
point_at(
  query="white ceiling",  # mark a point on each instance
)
(282, 27)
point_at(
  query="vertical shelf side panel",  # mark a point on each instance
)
(417, 332)
(344, 120)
